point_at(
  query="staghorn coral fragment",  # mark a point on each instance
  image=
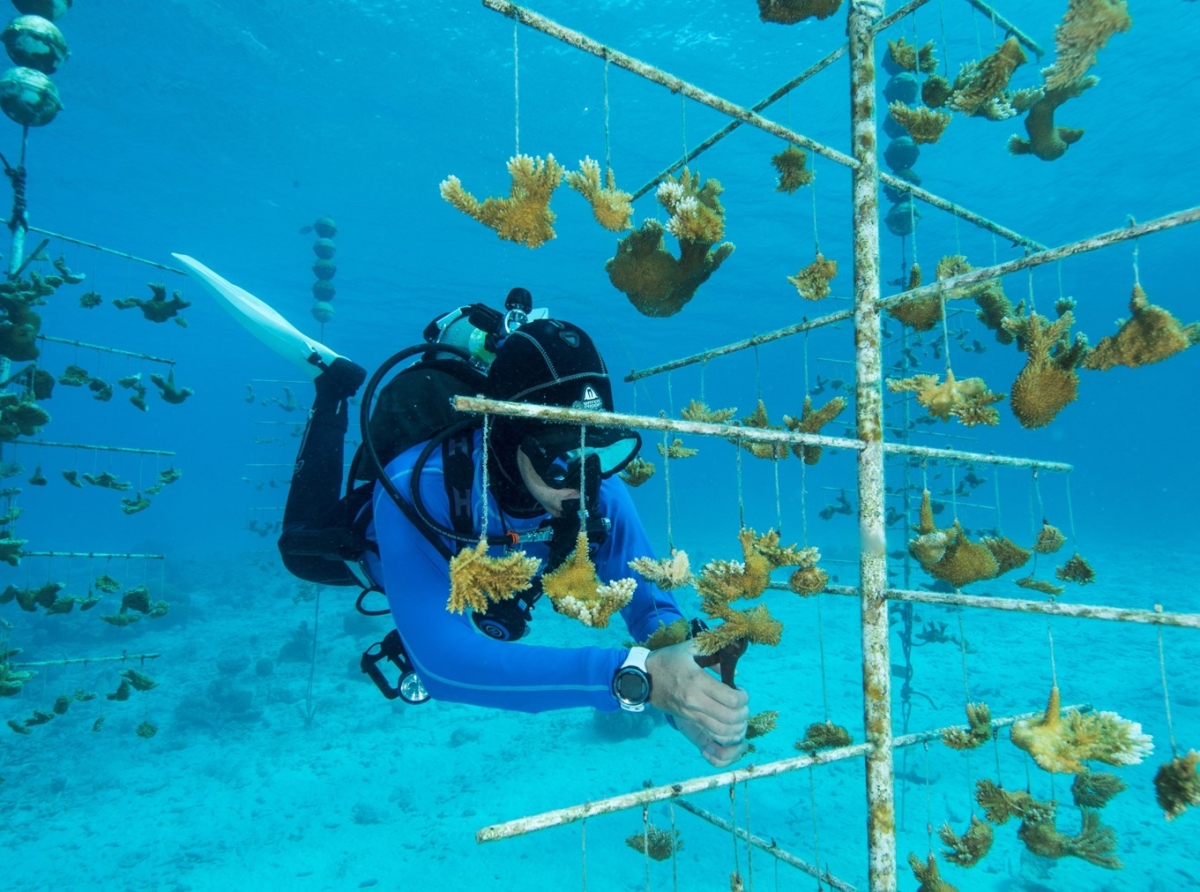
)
(90, 300)
(135, 505)
(124, 689)
(810, 422)
(1049, 539)
(11, 550)
(137, 598)
(695, 208)
(1047, 140)
(106, 480)
(74, 376)
(740, 627)
(792, 167)
(120, 620)
(963, 561)
(667, 635)
(20, 416)
(761, 724)
(921, 314)
(637, 472)
(610, 206)
(1048, 381)
(62, 704)
(659, 844)
(1151, 334)
(1040, 585)
(924, 125)
(999, 804)
(139, 681)
(968, 400)
(158, 610)
(576, 591)
(822, 736)
(146, 730)
(967, 850)
(979, 729)
(910, 57)
(657, 283)
(789, 12)
(980, 84)
(812, 282)
(676, 450)
(1008, 554)
(98, 724)
(994, 306)
(936, 91)
(1076, 569)
(928, 876)
(37, 478)
(478, 580)
(39, 717)
(1083, 32)
(1094, 789)
(667, 573)
(170, 475)
(808, 581)
(698, 411)
(17, 727)
(1095, 842)
(107, 584)
(759, 420)
(168, 391)
(1060, 742)
(158, 308)
(525, 216)
(1177, 785)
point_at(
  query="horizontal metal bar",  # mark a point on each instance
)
(937, 733)
(724, 106)
(93, 448)
(123, 658)
(102, 349)
(101, 248)
(1009, 27)
(769, 847)
(93, 554)
(980, 457)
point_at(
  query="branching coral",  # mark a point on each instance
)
(979, 729)
(525, 216)
(1177, 785)
(698, 411)
(1008, 554)
(1048, 381)
(924, 125)
(1151, 334)
(1095, 842)
(667, 635)
(477, 579)
(168, 390)
(822, 736)
(576, 591)
(761, 724)
(655, 282)
(667, 573)
(810, 422)
(610, 206)
(694, 206)
(967, 850)
(928, 876)
(136, 598)
(74, 376)
(910, 57)
(1094, 789)
(961, 562)
(135, 505)
(808, 581)
(1040, 585)
(1049, 539)
(20, 417)
(759, 420)
(980, 84)
(157, 308)
(107, 480)
(812, 282)
(659, 844)
(1047, 140)
(107, 584)
(676, 450)
(637, 472)
(1061, 742)
(788, 12)
(792, 166)
(1083, 32)
(999, 804)
(1076, 569)
(968, 400)
(921, 314)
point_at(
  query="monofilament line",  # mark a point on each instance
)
(484, 482)
(1162, 668)
(607, 143)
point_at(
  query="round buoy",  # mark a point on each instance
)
(29, 97)
(47, 9)
(35, 42)
(323, 311)
(324, 248)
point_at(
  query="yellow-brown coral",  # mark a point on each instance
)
(808, 581)
(576, 591)
(694, 206)
(667, 573)
(1008, 554)
(698, 411)
(979, 729)
(924, 125)
(788, 12)
(1048, 381)
(1095, 842)
(1040, 585)
(755, 626)
(792, 166)
(981, 83)
(810, 422)
(655, 282)
(761, 723)
(1151, 334)
(968, 849)
(610, 206)
(1083, 32)
(1076, 569)
(676, 450)
(1049, 539)
(524, 216)
(921, 314)
(1094, 789)
(637, 472)
(964, 561)
(657, 843)
(757, 448)
(477, 579)
(1047, 140)
(1060, 742)
(823, 735)
(928, 876)
(909, 57)
(999, 804)
(667, 635)
(1177, 785)
(812, 282)
(968, 400)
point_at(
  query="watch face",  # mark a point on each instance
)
(632, 686)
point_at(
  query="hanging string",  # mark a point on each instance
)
(667, 481)
(945, 333)
(1032, 305)
(996, 488)
(607, 145)
(646, 842)
(962, 646)
(483, 495)
(778, 502)
(1137, 278)
(683, 126)
(737, 869)
(1071, 512)
(1053, 664)
(741, 504)
(670, 394)
(1162, 668)
(812, 795)
(804, 503)
(516, 92)
(996, 750)
(812, 188)
(703, 370)
(583, 514)
(928, 800)
(945, 46)
(757, 373)
(674, 849)
(1059, 268)
(954, 490)
(583, 851)
(821, 650)
(749, 848)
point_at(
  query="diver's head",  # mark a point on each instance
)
(540, 464)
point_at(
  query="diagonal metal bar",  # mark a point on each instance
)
(99, 348)
(980, 274)
(101, 249)
(805, 75)
(678, 85)
(998, 19)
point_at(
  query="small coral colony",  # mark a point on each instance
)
(660, 283)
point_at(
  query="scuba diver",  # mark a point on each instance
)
(423, 501)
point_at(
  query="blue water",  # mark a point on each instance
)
(219, 128)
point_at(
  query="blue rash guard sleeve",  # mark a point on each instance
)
(458, 663)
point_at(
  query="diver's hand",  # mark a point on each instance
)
(340, 380)
(710, 714)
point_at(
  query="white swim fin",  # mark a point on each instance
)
(261, 320)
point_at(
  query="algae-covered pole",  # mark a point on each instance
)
(769, 847)
(93, 554)
(877, 685)
(813, 70)
(88, 447)
(99, 348)
(123, 658)
(954, 455)
(1051, 608)
(103, 250)
(1000, 21)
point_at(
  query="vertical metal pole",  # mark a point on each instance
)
(19, 224)
(881, 807)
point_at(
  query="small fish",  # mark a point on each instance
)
(305, 230)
